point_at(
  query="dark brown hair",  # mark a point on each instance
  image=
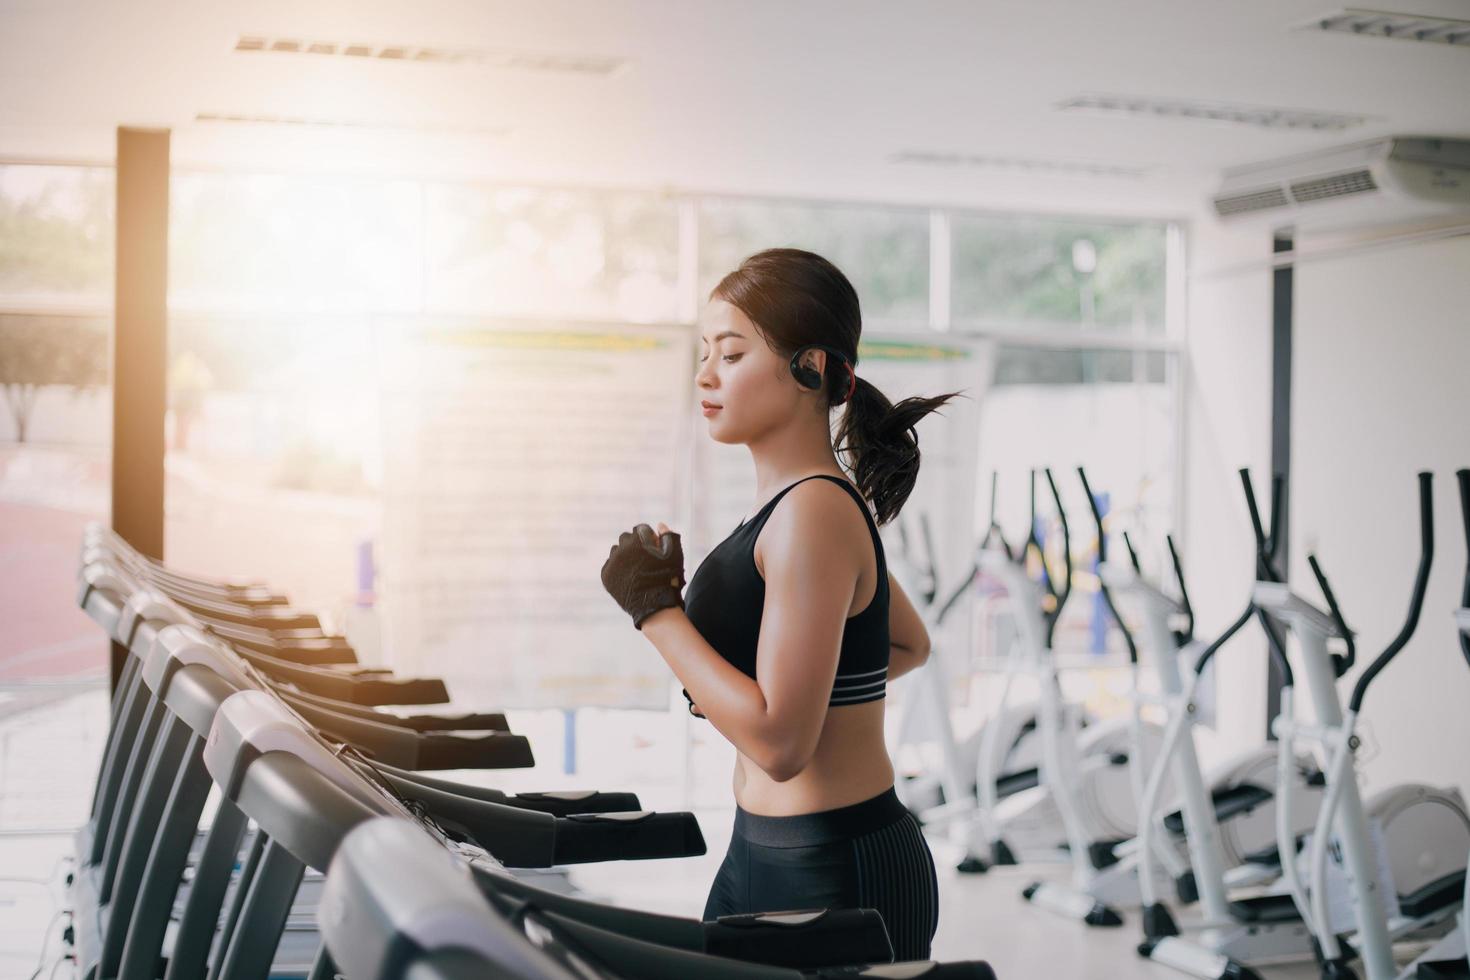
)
(798, 298)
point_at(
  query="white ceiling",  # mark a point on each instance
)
(804, 98)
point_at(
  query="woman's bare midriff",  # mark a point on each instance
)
(850, 765)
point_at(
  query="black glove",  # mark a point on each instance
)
(644, 572)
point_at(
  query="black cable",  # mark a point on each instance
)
(46, 942)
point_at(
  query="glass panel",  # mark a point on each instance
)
(884, 252)
(273, 454)
(552, 253)
(56, 263)
(1045, 272)
(56, 227)
(56, 258)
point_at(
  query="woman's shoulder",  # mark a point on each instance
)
(820, 514)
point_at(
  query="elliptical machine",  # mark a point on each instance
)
(1074, 774)
(1236, 931)
(1003, 755)
(1229, 934)
(944, 793)
(1342, 835)
(1446, 959)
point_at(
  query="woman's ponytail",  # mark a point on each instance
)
(881, 445)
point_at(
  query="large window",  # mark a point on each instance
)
(272, 451)
(283, 291)
(885, 252)
(1012, 270)
(56, 256)
(56, 260)
(56, 234)
(1086, 373)
(293, 244)
(551, 253)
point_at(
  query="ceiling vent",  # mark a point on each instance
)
(1266, 117)
(576, 64)
(1382, 181)
(1022, 165)
(1399, 27)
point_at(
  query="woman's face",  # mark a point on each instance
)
(750, 384)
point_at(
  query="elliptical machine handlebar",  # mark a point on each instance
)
(1266, 546)
(1341, 664)
(928, 569)
(1278, 503)
(930, 558)
(1185, 635)
(994, 534)
(993, 531)
(1463, 476)
(1203, 660)
(1032, 541)
(1132, 553)
(1102, 556)
(1416, 601)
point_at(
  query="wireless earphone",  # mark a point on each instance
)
(812, 378)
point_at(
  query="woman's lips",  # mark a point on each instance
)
(710, 408)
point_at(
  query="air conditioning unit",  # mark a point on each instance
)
(1382, 181)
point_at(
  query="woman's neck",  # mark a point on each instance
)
(795, 452)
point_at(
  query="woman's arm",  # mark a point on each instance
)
(908, 639)
(901, 661)
(812, 550)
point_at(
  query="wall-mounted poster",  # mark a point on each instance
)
(513, 455)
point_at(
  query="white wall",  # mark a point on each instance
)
(1227, 425)
(1381, 390)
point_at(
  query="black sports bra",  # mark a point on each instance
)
(725, 597)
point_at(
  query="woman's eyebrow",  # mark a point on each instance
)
(723, 334)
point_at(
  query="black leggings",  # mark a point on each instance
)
(869, 855)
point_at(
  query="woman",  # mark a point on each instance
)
(792, 626)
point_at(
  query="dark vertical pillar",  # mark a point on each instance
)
(140, 343)
(1281, 306)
